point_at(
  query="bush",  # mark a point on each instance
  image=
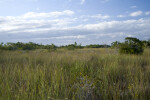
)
(115, 44)
(131, 46)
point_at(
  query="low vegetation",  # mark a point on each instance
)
(29, 71)
(80, 74)
(130, 46)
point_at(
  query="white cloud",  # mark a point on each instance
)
(61, 26)
(82, 1)
(133, 7)
(17, 24)
(128, 25)
(63, 37)
(137, 13)
(120, 16)
(85, 20)
(103, 1)
(63, 29)
(8, 1)
(147, 13)
(100, 16)
(45, 15)
(10, 23)
(76, 37)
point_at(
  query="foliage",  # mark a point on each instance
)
(146, 44)
(26, 46)
(97, 46)
(72, 46)
(115, 44)
(131, 46)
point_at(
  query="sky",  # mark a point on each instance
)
(64, 22)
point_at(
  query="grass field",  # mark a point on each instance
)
(86, 74)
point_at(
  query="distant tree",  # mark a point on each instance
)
(72, 46)
(52, 47)
(11, 46)
(131, 46)
(19, 45)
(115, 44)
(145, 43)
(75, 44)
(97, 46)
(1, 45)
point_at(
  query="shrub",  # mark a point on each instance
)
(131, 46)
(115, 44)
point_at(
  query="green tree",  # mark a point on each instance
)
(131, 46)
(53, 47)
(115, 44)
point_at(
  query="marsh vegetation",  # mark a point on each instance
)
(81, 74)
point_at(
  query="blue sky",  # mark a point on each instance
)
(65, 21)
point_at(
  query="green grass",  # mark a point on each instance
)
(87, 74)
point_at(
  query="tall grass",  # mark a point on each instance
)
(87, 74)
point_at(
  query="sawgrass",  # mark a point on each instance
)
(86, 74)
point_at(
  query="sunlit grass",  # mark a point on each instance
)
(93, 74)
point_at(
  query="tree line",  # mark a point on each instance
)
(131, 45)
(33, 46)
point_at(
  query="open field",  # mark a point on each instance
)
(83, 74)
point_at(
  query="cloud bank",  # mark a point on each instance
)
(51, 28)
